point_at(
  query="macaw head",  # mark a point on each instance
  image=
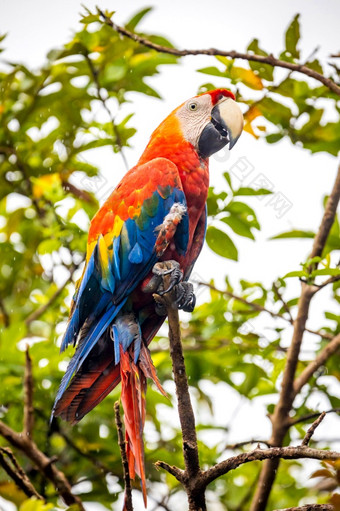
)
(211, 121)
(205, 123)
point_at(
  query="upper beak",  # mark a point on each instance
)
(225, 127)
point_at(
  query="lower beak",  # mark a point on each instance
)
(225, 127)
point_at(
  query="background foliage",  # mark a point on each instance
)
(49, 123)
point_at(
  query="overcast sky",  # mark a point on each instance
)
(36, 26)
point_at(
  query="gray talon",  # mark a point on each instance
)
(165, 268)
(185, 298)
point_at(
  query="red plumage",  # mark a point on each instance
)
(112, 347)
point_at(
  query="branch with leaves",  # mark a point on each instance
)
(192, 477)
(290, 386)
(24, 442)
(270, 59)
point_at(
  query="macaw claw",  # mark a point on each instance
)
(183, 291)
(185, 296)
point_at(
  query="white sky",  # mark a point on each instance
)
(36, 26)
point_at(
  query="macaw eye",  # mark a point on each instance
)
(192, 106)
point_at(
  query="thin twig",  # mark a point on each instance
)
(28, 396)
(260, 308)
(5, 315)
(16, 473)
(270, 59)
(247, 442)
(309, 416)
(278, 294)
(320, 359)
(173, 470)
(41, 310)
(101, 98)
(77, 192)
(311, 430)
(122, 447)
(310, 507)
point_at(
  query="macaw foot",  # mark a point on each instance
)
(183, 292)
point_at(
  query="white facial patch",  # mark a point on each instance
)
(194, 118)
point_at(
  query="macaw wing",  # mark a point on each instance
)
(121, 252)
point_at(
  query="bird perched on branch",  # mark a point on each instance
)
(157, 213)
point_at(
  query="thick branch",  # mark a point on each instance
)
(287, 453)
(192, 478)
(122, 447)
(16, 473)
(185, 411)
(270, 59)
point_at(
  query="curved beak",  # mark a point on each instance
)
(225, 127)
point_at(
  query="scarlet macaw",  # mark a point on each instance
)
(156, 213)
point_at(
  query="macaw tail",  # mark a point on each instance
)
(134, 378)
(95, 379)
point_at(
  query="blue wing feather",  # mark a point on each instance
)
(102, 294)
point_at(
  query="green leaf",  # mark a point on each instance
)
(211, 70)
(134, 21)
(238, 226)
(275, 112)
(294, 234)
(326, 271)
(251, 191)
(265, 71)
(49, 246)
(300, 273)
(221, 244)
(90, 18)
(292, 38)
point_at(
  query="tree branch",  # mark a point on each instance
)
(312, 416)
(270, 59)
(322, 357)
(280, 418)
(122, 446)
(311, 430)
(246, 442)
(278, 294)
(43, 463)
(41, 310)
(310, 507)
(16, 473)
(261, 308)
(101, 98)
(25, 443)
(192, 476)
(287, 453)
